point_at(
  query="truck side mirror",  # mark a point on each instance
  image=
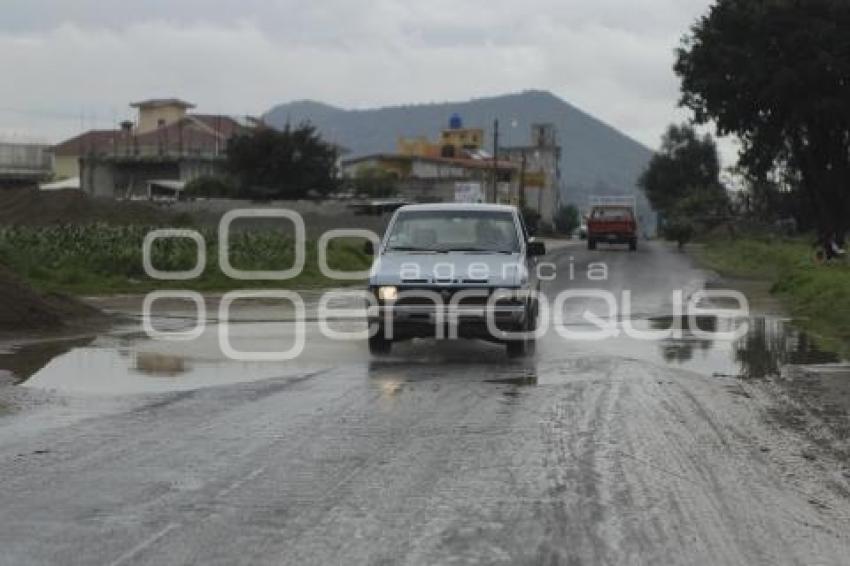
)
(369, 248)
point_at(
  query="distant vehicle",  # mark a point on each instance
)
(612, 220)
(455, 266)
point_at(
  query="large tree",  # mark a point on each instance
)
(682, 182)
(776, 73)
(685, 165)
(287, 164)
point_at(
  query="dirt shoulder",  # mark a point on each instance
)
(22, 309)
(33, 207)
(808, 388)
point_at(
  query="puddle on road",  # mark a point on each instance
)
(132, 363)
(26, 360)
(109, 370)
(770, 344)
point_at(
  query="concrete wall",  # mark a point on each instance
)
(25, 161)
(97, 179)
(436, 170)
(427, 190)
(124, 177)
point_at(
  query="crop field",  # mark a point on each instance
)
(104, 258)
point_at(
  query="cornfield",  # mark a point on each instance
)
(109, 257)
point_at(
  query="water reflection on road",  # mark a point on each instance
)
(770, 344)
(129, 362)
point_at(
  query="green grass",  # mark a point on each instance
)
(817, 295)
(105, 259)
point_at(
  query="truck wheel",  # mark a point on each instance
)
(379, 345)
(526, 346)
(591, 244)
(633, 245)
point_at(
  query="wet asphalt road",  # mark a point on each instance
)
(599, 453)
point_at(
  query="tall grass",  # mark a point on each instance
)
(817, 294)
(100, 258)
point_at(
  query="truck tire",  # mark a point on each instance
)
(527, 346)
(591, 244)
(633, 245)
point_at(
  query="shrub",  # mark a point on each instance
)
(209, 187)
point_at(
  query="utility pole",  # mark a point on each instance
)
(522, 180)
(495, 160)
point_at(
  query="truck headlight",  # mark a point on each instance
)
(387, 293)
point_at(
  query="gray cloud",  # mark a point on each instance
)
(78, 63)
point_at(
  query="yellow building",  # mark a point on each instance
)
(419, 146)
(454, 142)
(462, 139)
(66, 155)
(457, 141)
(155, 115)
(159, 112)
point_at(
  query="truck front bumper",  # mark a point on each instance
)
(419, 321)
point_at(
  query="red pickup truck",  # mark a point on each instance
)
(612, 224)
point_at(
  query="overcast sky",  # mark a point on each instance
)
(72, 64)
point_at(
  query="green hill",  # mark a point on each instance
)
(597, 159)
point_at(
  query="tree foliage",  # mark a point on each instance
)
(285, 164)
(776, 73)
(209, 187)
(375, 182)
(682, 182)
(685, 164)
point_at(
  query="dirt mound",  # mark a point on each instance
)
(34, 207)
(22, 308)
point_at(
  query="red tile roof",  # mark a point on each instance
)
(93, 141)
(195, 132)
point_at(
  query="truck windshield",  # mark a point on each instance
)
(454, 230)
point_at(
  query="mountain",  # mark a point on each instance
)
(596, 158)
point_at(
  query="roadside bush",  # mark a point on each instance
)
(209, 187)
(679, 230)
(375, 183)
